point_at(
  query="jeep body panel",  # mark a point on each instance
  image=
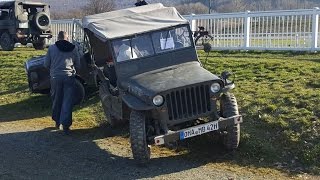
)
(135, 103)
(39, 77)
(172, 77)
(167, 79)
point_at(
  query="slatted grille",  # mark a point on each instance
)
(188, 102)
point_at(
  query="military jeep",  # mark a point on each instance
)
(24, 22)
(150, 75)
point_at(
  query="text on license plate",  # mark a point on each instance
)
(198, 130)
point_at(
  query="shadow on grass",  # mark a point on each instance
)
(258, 55)
(266, 144)
(36, 106)
(33, 107)
(18, 89)
(47, 154)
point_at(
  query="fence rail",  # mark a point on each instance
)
(269, 30)
(295, 30)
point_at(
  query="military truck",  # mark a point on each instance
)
(150, 76)
(24, 22)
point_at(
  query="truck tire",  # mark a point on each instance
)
(42, 21)
(40, 45)
(105, 101)
(6, 42)
(111, 120)
(229, 108)
(138, 139)
(79, 92)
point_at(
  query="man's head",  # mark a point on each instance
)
(63, 36)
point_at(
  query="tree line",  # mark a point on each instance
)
(224, 6)
(196, 6)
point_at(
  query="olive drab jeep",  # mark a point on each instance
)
(151, 77)
(24, 22)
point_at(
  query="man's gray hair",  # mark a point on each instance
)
(63, 35)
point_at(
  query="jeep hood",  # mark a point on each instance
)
(155, 82)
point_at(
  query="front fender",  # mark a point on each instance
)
(136, 104)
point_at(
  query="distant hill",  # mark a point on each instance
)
(130, 3)
(65, 5)
(61, 6)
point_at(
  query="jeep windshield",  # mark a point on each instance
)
(150, 44)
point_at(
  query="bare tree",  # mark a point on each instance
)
(98, 6)
(78, 14)
(196, 8)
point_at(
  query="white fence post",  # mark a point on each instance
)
(193, 24)
(247, 28)
(73, 29)
(315, 29)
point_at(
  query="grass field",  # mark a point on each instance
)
(278, 94)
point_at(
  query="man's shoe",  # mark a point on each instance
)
(58, 126)
(66, 131)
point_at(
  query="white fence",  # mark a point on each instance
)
(295, 30)
(59, 25)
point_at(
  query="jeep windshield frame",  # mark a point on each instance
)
(157, 60)
(152, 43)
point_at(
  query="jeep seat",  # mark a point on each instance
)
(4, 15)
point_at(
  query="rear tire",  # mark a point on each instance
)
(79, 92)
(229, 108)
(138, 139)
(105, 98)
(7, 42)
(111, 120)
(39, 45)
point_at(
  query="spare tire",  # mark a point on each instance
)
(7, 41)
(42, 21)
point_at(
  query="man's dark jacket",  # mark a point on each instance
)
(62, 59)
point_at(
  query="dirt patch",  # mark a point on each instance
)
(32, 149)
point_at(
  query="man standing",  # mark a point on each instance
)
(140, 3)
(62, 60)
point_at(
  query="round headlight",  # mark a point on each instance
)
(157, 100)
(215, 87)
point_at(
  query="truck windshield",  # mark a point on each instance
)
(150, 44)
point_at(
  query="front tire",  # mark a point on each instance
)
(7, 42)
(229, 108)
(138, 137)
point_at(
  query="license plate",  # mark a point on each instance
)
(198, 130)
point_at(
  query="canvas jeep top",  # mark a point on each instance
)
(150, 75)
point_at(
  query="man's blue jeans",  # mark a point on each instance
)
(62, 92)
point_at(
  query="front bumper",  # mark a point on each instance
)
(21, 36)
(178, 135)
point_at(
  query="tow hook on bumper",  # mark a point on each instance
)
(221, 123)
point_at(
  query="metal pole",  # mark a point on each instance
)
(315, 29)
(247, 24)
(209, 6)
